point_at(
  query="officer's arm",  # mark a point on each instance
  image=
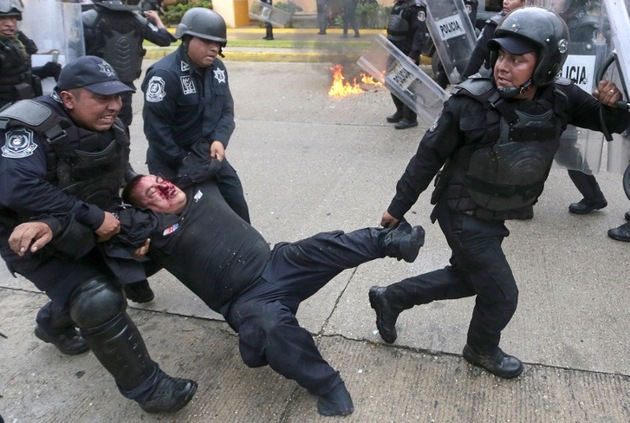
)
(419, 30)
(225, 126)
(154, 30)
(584, 111)
(437, 145)
(158, 113)
(25, 190)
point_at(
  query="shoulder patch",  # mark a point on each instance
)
(18, 143)
(188, 84)
(219, 75)
(155, 90)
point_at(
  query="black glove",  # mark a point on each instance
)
(51, 69)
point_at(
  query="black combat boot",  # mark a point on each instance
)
(498, 363)
(68, 342)
(139, 292)
(622, 233)
(403, 242)
(396, 117)
(589, 188)
(118, 345)
(337, 402)
(386, 315)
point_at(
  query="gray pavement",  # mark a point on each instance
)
(311, 163)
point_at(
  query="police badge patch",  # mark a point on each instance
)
(219, 75)
(422, 16)
(155, 90)
(188, 85)
(18, 144)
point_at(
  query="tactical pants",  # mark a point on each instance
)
(402, 109)
(264, 315)
(232, 190)
(350, 16)
(478, 267)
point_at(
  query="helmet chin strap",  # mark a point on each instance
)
(512, 92)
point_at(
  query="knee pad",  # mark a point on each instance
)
(96, 302)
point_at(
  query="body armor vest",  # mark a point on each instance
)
(398, 27)
(15, 69)
(504, 172)
(89, 165)
(121, 44)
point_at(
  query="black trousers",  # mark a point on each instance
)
(232, 190)
(407, 112)
(264, 315)
(478, 267)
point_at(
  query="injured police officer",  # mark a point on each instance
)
(197, 237)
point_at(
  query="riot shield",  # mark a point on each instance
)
(619, 72)
(581, 149)
(267, 13)
(57, 29)
(452, 33)
(388, 65)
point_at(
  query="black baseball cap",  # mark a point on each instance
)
(93, 74)
(513, 45)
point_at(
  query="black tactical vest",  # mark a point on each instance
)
(89, 165)
(504, 172)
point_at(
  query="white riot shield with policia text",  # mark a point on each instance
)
(57, 29)
(389, 66)
(267, 13)
(581, 149)
(452, 33)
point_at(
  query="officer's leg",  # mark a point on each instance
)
(270, 334)
(303, 267)
(593, 198)
(398, 115)
(98, 309)
(232, 190)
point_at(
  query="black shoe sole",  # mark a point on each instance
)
(475, 362)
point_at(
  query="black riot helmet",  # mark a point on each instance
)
(202, 23)
(545, 30)
(10, 8)
(115, 5)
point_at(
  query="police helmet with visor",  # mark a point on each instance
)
(11, 8)
(202, 23)
(544, 31)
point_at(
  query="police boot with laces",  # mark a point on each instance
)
(69, 342)
(498, 363)
(170, 395)
(403, 242)
(386, 315)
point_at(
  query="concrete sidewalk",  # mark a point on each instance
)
(311, 163)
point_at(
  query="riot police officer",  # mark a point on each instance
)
(407, 31)
(18, 79)
(115, 31)
(187, 98)
(66, 154)
(494, 142)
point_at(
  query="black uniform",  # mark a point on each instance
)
(407, 31)
(465, 138)
(481, 53)
(183, 105)
(268, 26)
(117, 36)
(18, 80)
(229, 265)
(350, 17)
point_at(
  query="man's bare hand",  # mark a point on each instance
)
(217, 151)
(388, 220)
(144, 250)
(30, 234)
(108, 229)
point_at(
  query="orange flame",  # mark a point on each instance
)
(339, 88)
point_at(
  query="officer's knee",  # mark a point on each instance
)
(95, 302)
(258, 330)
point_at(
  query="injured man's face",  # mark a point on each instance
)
(155, 193)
